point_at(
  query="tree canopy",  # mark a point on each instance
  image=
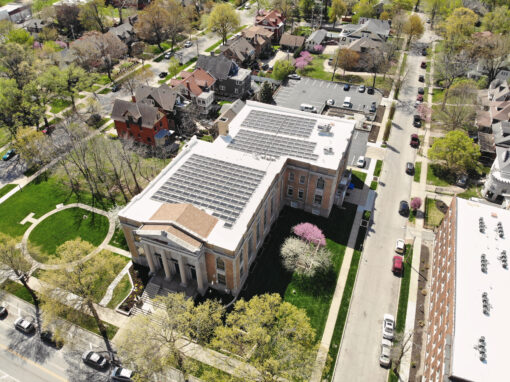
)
(282, 68)
(223, 20)
(455, 151)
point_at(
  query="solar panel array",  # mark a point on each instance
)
(268, 144)
(278, 123)
(213, 184)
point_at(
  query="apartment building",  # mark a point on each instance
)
(469, 309)
(202, 221)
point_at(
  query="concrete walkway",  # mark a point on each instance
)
(109, 291)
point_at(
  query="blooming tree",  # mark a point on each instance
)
(303, 60)
(310, 233)
(318, 48)
(415, 203)
(303, 257)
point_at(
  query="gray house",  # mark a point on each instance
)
(377, 30)
(316, 38)
(231, 80)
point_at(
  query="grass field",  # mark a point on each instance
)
(67, 225)
(120, 292)
(433, 215)
(58, 105)
(373, 185)
(358, 179)
(5, 189)
(417, 171)
(434, 176)
(404, 290)
(5, 136)
(119, 240)
(378, 167)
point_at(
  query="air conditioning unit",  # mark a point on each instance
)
(328, 150)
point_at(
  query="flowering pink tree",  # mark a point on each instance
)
(318, 48)
(425, 112)
(415, 203)
(305, 55)
(300, 63)
(310, 233)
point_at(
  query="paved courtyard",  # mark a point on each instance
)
(316, 92)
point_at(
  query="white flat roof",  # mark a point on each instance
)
(470, 283)
(144, 205)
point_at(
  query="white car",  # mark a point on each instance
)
(187, 44)
(361, 162)
(247, 6)
(400, 247)
(385, 357)
(294, 76)
(121, 374)
(388, 326)
(330, 102)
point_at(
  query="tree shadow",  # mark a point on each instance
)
(29, 345)
(392, 148)
(77, 371)
(397, 126)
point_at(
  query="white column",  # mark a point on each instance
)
(148, 254)
(200, 277)
(168, 274)
(182, 270)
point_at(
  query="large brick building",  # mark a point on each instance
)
(202, 221)
(469, 310)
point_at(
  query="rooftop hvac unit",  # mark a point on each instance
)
(326, 128)
(481, 340)
(486, 311)
(328, 150)
(484, 268)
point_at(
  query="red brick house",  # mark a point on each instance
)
(272, 21)
(138, 120)
(197, 87)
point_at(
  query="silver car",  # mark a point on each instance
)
(385, 357)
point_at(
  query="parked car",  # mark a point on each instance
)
(121, 374)
(94, 359)
(385, 356)
(330, 102)
(49, 338)
(168, 55)
(9, 154)
(48, 130)
(397, 265)
(347, 87)
(361, 88)
(163, 74)
(462, 181)
(424, 52)
(116, 87)
(415, 141)
(400, 247)
(388, 326)
(419, 98)
(373, 107)
(247, 6)
(370, 91)
(421, 78)
(3, 311)
(421, 91)
(403, 208)
(361, 162)
(416, 120)
(423, 65)
(265, 66)
(409, 168)
(188, 44)
(24, 324)
(294, 76)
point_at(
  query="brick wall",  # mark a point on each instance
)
(141, 134)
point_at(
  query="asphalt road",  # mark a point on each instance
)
(376, 291)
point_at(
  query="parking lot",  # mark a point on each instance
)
(316, 92)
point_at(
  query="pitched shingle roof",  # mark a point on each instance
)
(317, 37)
(364, 43)
(217, 66)
(194, 82)
(291, 40)
(273, 18)
(164, 96)
(240, 48)
(123, 109)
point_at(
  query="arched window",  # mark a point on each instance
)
(220, 264)
(320, 184)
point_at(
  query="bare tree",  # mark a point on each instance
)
(402, 343)
(492, 52)
(140, 77)
(448, 68)
(374, 61)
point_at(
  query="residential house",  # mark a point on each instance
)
(260, 39)
(163, 97)
(125, 32)
(316, 38)
(273, 21)
(291, 43)
(197, 87)
(377, 30)
(240, 51)
(365, 45)
(138, 120)
(201, 222)
(231, 81)
(16, 13)
(35, 25)
(466, 331)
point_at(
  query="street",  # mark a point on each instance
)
(376, 290)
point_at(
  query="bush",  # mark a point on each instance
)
(387, 130)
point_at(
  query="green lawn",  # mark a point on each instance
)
(85, 321)
(120, 292)
(433, 215)
(312, 294)
(471, 192)
(436, 176)
(417, 171)
(404, 290)
(373, 185)
(103, 80)
(5, 189)
(316, 70)
(40, 196)
(437, 95)
(105, 91)
(67, 225)
(378, 167)
(403, 65)
(58, 105)
(119, 240)
(358, 179)
(5, 136)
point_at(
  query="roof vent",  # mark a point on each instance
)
(501, 233)
(483, 262)
(328, 150)
(326, 128)
(485, 303)
(504, 259)
(482, 348)
(481, 225)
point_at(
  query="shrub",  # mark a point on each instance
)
(304, 258)
(310, 233)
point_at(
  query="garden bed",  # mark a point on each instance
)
(129, 302)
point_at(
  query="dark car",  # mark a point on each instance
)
(94, 359)
(421, 91)
(163, 74)
(423, 65)
(397, 266)
(462, 181)
(421, 78)
(409, 168)
(370, 90)
(265, 66)
(403, 208)
(9, 154)
(416, 120)
(415, 141)
(419, 97)
(347, 87)
(24, 324)
(424, 52)
(49, 338)
(3, 312)
(116, 87)
(373, 107)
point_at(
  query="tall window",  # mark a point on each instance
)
(241, 265)
(290, 191)
(302, 179)
(220, 264)
(317, 199)
(320, 184)
(221, 279)
(301, 193)
(291, 177)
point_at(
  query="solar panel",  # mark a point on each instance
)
(273, 145)
(209, 183)
(278, 123)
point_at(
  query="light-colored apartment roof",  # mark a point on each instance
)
(470, 321)
(231, 183)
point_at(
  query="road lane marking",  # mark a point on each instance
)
(40, 367)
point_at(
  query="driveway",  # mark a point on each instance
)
(376, 290)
